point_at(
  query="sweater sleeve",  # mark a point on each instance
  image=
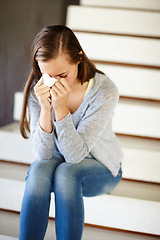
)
(75, 143)
(42, 142)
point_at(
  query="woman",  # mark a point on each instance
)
(70, 123)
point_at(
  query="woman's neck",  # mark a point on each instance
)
(77, 86)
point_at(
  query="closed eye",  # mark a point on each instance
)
(64, 76)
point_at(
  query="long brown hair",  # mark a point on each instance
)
(48, 44)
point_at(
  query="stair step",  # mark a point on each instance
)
(19, 148)
(2, 237)
(135, 205)
(137, 152)
(130, 81)
(132, 4)
(88, 234)
(116, 20)
(108, 52)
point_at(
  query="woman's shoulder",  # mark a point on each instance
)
(104, 86)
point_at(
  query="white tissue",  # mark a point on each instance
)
(48, 81)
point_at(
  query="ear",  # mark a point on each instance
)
(81, 54)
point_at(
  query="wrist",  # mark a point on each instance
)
(46, 110)
(45, 121)
(59, 115)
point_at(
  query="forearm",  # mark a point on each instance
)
(45, 121)
(41, 126)
(72, 146)
(43, 138)
(42, 143)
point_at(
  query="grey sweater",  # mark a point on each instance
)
(87, 133)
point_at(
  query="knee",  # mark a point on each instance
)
(65, 178)
(40, 175)
(38, 169)
(38, 187)
(64, 172)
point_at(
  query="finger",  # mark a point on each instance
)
(59, 85)
(59, 89)
(44, 88)
(40, 82)
(42, 92)
(47, 95)
(41, 89)
(53, 93)
(44, 98)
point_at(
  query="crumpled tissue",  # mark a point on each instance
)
(48, 81)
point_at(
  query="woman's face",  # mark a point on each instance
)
(60, 67)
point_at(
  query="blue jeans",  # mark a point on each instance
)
(69, 182)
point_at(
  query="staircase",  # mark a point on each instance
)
(123, 39)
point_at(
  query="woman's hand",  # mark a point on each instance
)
(43, 94)
(59, 96)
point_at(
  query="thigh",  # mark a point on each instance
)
(94, 177)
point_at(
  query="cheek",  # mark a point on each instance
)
(70, 80)
(72, 76)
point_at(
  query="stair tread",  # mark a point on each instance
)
(3, 237)
(12, 127)
(89, 232)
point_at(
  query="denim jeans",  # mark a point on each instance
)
(69, 182)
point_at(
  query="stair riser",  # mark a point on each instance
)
(111, 211)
